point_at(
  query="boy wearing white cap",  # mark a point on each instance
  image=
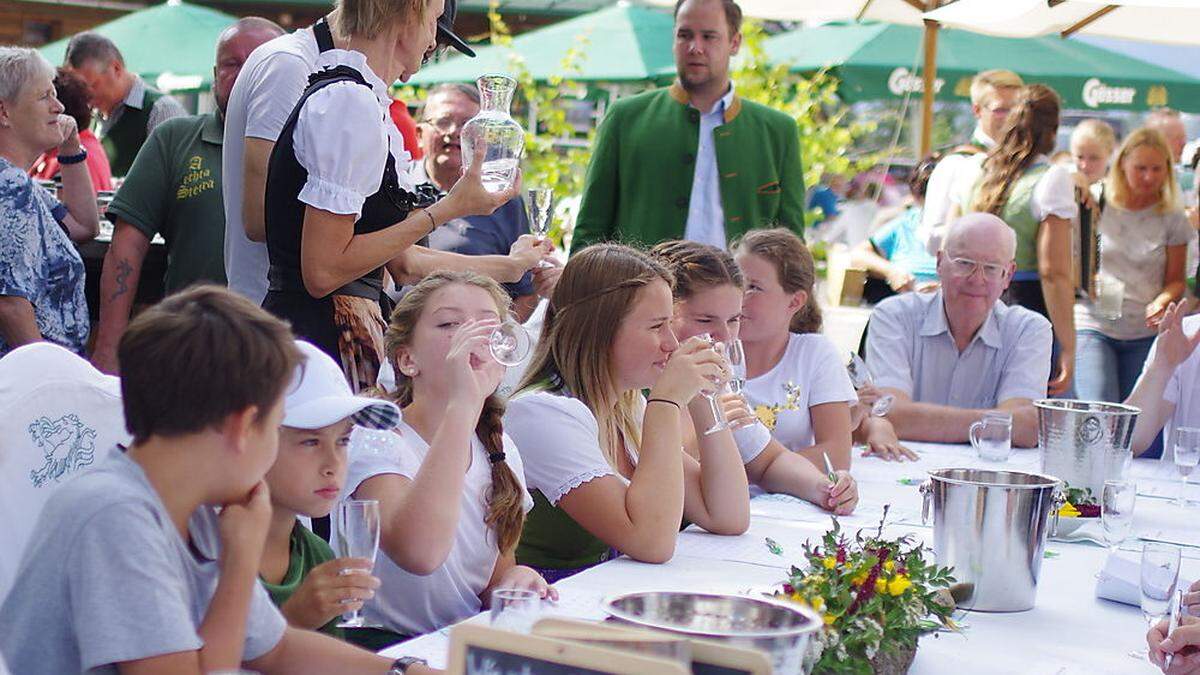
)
(298, 567)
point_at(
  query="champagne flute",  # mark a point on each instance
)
(1187, 456)
(1160, 574)
(539, 206)
(737, 365)
(719, 421)
(356, 536)
(1116, 511)
(860, 376)
(510, 343)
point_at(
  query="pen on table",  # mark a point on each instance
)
(829, 472)
(1176, 614)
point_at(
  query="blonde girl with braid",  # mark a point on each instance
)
(605, 462)
(450, 483)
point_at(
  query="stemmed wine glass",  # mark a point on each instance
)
(719, 421)
(356, 536)
(510, 343)
(539, 205)
(1187, 456)
(1160, 574)
(737, 365)
(1116, 511)
(860, 377)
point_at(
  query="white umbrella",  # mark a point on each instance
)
(1164, 21)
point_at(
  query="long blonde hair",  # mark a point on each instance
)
(1117, 183)
(506, 513)
(1032, 126)
(597, 289)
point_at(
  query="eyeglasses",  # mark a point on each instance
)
(965, 267)
(997, 112)
(445, 124)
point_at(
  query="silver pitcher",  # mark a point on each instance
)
(991, 527)
(781, 629)
(1084, 443)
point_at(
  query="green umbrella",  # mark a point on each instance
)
(172, 46)
(875, 61)
(619, 43)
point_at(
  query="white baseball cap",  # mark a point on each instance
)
(320, 396)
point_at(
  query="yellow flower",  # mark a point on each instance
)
(829, 619)
(898, 585)
(880, 585)
(890, 565)
(1068, 511)
(813, 579)
(859, 579)
(818, 603)
(829, 562)
(765, 415)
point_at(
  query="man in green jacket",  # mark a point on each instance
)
(693, 160)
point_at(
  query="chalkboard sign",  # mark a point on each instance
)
(479, 650)
(707, 658)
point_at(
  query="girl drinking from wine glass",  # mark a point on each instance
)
(450, 485)
(708, 300)
(606, 464)
(795, 377)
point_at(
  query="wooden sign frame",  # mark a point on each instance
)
(566, 657)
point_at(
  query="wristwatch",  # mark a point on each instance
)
(73, 159)
(400, 665)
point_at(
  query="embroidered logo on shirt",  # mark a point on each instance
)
(67, 445)
(197, 180)
(769, 414)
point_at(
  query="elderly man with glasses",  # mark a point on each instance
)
(950, 356)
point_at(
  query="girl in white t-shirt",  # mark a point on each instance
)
(606, 466)
(708, 299)
(795, 377)
(450, 486)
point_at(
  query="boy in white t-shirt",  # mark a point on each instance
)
(131, 569)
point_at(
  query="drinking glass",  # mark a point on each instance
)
(1116, 511)
(356, 536)
(1160, 574)
(737, 365)
(510, 343)
(991, 436)
(860, 376)
(1187, 456)
(719, 421)
(539, 206)
(515, 609)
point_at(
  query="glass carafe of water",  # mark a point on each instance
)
(502, 138)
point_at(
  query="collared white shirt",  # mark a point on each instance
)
(943, 183)
(342, 139)
(706, 215)
(910, 348)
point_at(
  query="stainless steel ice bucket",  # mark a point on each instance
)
(991, 527)
(1084, 443)
(781, 629)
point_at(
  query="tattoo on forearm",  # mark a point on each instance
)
(124, 269)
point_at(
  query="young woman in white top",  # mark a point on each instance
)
(450, 485)
(1144, 236)
(708, 299)
(606, 465)
(795, 377)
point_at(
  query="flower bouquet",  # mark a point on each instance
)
(877, 597)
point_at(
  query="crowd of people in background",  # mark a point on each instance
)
(366, 272)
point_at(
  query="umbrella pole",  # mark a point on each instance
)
(929, 77)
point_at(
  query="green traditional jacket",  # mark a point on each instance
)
(639, 182)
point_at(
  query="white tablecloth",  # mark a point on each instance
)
(1068, 631)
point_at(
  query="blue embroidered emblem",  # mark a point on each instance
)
(67, 444)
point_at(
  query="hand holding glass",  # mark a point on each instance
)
(737, 365)
(1160, 574)
(860, 376)
(539, 206)
(356, 536)
(510, 343)
(719, 422)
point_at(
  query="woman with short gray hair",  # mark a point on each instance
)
(41, 273)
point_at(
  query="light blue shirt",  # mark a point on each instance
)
(910, 348)
(706, 215)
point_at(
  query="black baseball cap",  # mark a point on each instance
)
(445, 30)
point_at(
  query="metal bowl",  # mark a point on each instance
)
(780, 629)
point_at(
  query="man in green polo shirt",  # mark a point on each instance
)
(693, 160)
(129, 108)
(174, 190)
